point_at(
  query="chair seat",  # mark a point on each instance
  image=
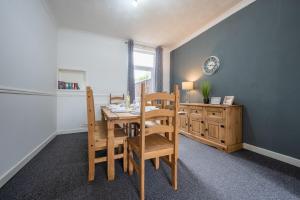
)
(101, 136)
(149, 124)
(155, 145)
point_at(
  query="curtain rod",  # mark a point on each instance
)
(143, 45)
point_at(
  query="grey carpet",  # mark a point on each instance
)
(59, 171)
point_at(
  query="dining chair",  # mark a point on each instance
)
(116, 99)
(150, 143)
(97, 138)
(160, 104)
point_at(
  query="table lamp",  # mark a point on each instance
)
(188, 86)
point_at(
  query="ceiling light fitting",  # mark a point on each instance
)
(135, 3)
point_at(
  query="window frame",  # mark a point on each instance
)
(148, 51)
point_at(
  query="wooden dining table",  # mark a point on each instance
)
(113, 118)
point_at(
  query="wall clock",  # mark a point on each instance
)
(211, 65)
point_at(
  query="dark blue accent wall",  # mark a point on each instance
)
(259, 49)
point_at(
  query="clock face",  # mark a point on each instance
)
(211, 65)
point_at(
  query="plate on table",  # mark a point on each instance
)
(147, 109)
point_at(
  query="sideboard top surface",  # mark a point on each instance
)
(209, 105)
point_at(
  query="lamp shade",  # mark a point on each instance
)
(187, 85)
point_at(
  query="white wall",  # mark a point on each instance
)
(105, 61)
(30, 53)
(27, 61)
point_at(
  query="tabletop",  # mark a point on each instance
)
(117, 116)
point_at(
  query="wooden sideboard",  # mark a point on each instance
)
(216, 125)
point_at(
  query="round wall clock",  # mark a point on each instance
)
(211, 65)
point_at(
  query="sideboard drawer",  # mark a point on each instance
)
(216, 114)
(198, 112)
(183, 109)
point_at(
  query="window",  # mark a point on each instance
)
(144, 62)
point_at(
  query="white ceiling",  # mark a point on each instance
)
(152, 22)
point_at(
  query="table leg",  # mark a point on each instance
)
(110, 151)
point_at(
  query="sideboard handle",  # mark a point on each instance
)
(222, 126)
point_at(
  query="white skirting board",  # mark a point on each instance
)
(272, 154)
(12, 171)
(79, 130)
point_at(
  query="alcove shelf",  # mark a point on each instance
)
(71, 80)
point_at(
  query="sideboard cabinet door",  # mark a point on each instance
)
(212, 130)
(197, 125)
(183, 122)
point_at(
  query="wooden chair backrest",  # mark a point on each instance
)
(116, 99)
(90, 114)
(157, 103)
(163, 113)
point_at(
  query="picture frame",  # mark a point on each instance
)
(215, 100)
(228, 100)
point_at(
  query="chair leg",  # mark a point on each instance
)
(130, 164)
(125, 126)
(136, 130)
(170, 158)
(119, 149)
(174, 172)
(91, 165)
(129, 129)
(142, 179)
(155, 162)
(169, 137)
(125, 159)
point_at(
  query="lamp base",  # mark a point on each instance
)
(187, 97)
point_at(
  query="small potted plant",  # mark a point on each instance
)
(205, 90)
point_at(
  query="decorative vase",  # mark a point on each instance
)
(206, 100)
